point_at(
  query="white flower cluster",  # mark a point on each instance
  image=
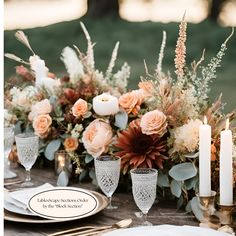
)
(121, 77)
(72, 63)
(23, 99)
(187, 136)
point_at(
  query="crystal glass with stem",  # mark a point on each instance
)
(27, 149)
(107, 169)
(8, 142)
(144, 181)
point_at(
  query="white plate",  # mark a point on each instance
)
(19, 217)
(166, 230)
(18, 210)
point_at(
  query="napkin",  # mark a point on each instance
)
(20, 198)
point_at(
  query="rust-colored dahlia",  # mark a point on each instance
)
(140, 150)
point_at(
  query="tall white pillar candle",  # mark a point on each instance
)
(40, 71)
(226, 169)
(205, 159)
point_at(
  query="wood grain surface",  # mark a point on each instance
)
(161, 212)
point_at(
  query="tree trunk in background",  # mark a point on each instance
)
(103, 8)
(215, 8)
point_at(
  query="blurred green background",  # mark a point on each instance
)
(138, 41)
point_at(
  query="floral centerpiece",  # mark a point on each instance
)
(89, 113)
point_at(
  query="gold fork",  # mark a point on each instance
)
(93, 230)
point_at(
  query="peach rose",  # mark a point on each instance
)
(153, 122)
(80, 108)
(71, 144)
(96, 137)
(41, 125)
(131, 101)
(40, 108)
(146, 87)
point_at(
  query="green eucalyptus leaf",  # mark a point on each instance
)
(83, 175)
(17, 127)
(121, 119)
(29, 129)
(176, 188)
(51, 148)
(192, 155)
(188, 207)
(191, 183)
(92, 174)
(183, 171)
(180, 202)
(53, 100)
(64, 136)
(88, 158)
(195, 206)
(60, 119)
(163, 180)
(88, 114)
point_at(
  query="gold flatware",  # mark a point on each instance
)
(13, 182)
(118, 225)
(70, 230)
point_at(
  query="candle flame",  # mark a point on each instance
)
(227, 124)
(205, 120)
(61, 158)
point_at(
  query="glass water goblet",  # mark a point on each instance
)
(8, 142)
(107, 169)
(144, 183)
(27, 150)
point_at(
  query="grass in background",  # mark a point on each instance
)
(138, 41)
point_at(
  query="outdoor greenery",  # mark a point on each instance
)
(138, 41)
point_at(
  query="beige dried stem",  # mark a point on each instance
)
(146, 68)
(113, 60)
(161, 54)
(196, 64)
(20, 36)
(180, 51)
(90, 54)
(15, 58)
(232, 32)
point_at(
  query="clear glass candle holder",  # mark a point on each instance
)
(62, 162)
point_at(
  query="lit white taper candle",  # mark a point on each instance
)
(226, 169)
(205, 159)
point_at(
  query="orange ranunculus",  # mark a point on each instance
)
(153, 122)
(131, 101)
(80, 108)
(71, 144)
(41, 125)
(96, 137)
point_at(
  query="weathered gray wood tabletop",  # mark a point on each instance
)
(160, 213)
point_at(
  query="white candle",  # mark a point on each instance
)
(40, 71)
(205, 159)
(226, 169)
(105, 104)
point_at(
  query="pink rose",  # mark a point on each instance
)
(131, 101)
(96, 137)
(41, 125)
(80, 108)
(153, 122)
(40, 108)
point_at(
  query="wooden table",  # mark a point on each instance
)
(160, 213)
